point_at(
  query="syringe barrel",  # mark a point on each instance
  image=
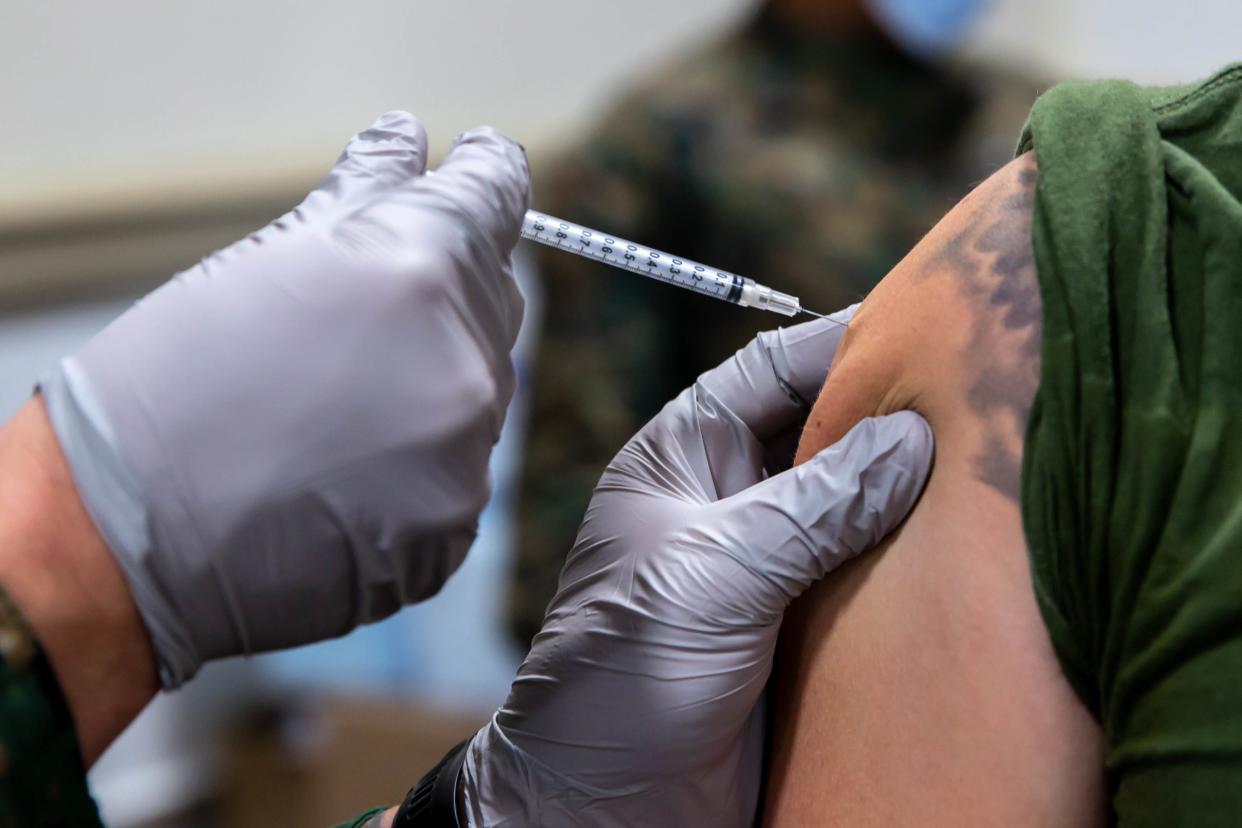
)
(655, 264)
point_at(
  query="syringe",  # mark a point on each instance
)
(656, 264)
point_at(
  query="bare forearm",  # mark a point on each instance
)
(60, 574)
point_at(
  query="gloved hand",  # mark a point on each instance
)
(291, 437)
(637, 702)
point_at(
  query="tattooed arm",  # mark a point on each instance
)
(920, 686)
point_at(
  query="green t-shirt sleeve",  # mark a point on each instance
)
(1132, 478)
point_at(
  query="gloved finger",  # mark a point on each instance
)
(770, 384)
(801, 524)
(380, 158)
(486, 177)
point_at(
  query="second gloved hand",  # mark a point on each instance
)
(291, 437)
(637, 704)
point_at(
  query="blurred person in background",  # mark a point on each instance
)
(809, 150)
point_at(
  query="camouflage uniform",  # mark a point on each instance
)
(42, 780)
(810, 164)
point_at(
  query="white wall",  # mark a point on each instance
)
(97, 99)
(1149, 41)
(100, 100)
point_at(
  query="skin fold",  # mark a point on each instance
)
(918, 684)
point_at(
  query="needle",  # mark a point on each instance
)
(822, 316)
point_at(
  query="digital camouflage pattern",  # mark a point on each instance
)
(805, 162)
(42, 780)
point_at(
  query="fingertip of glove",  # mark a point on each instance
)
(903, 438)
(394, 143)
(913, 437)
(397, 126)
(493, 142)
(488, 171)
(890, 457)
(899, 451)
(801, 354)
(491, 137)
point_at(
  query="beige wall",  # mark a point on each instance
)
(1149, 41)
(134, 94)
(131, 94)
(137, 135)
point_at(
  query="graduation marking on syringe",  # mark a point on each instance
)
(656, 264)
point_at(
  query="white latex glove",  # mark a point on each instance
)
(291, 437)
(637, 702)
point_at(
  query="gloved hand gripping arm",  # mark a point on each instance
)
(637, 704)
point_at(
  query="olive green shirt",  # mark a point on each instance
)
(1132, 483)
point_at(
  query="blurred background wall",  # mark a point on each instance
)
(166, 111)
(136, 136)
(133, 96)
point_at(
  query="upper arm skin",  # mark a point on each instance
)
(918, 685)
